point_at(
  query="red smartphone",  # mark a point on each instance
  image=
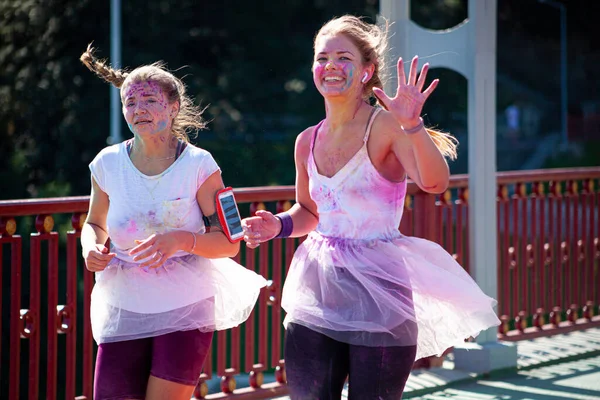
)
(229, 215)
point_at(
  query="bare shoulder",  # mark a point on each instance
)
(302, 148)
(386, 124)
(386, 128)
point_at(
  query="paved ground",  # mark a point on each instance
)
(559, 367)
(579, 380)
(555, 352)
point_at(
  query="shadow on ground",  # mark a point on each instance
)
(578, 380)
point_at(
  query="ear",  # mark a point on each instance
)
(174, 110)
(368, 73)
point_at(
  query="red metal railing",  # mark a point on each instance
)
(548, 261)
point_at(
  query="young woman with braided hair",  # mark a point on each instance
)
(165, 284)
(362, 300)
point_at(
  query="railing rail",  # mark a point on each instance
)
(548, 262)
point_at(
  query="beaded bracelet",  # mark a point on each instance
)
(287, 225)
(412, 131)
(194, 245)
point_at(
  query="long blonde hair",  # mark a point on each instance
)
(371, 41)
(188, 120)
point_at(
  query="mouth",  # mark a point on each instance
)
(333, 79)
(142, 122)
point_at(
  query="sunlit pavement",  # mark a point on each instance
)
(578, 380)
(563, 366)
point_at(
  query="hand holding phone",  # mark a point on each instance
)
(229, 215)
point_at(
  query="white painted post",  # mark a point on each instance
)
(115, 60)
(470, 49)
(482, 151)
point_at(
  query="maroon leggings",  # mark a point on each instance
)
(123, 368)
(317, 366)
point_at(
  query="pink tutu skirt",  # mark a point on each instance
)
(186, 293)
(385, 292)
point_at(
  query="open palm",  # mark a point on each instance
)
(407, 104)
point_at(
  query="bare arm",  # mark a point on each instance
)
(304, 213)
(94, 233)
(156, 249)
(416, 151)
(213, 244)
(420, 157)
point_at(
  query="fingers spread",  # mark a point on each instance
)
(431, 88)
(401, 75)
(412, 77)
(422, 77)
(381, 97)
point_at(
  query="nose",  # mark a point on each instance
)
(330, 65)
(138, 108)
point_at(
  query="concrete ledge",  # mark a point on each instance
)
(424, 381)
(485, 358)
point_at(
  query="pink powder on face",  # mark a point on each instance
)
(147, 97)
(347, 69)
(318, 70)
(145, 89)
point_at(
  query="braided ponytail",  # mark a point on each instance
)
(116, 77)
(189, 118)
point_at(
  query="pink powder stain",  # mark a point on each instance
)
(319, 69)
(146, 89)
(132, 226)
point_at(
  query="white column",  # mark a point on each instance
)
(482, 150)
(470, 49)
(115, 61)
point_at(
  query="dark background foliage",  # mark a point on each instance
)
(249, 62)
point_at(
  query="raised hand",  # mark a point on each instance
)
(262, 227)
(406, 106)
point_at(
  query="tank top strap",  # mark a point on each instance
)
(374, 113)
(314, 136)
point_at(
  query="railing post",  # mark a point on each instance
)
(425, 221)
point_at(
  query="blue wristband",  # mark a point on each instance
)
(287, 225)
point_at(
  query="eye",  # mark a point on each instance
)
(321, 59)
(344, 58)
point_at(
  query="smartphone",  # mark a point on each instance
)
(229, 215)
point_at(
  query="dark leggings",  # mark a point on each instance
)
(317, 367)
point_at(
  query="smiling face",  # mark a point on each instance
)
(337, 67)
(146, 108)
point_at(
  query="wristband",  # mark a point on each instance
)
(412, 131)
(287, 225)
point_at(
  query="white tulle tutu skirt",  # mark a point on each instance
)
(189, 292)
(397, 292)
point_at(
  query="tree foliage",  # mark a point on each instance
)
(248, 61)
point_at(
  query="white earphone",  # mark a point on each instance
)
(364, 79)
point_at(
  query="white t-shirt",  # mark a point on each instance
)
(141, 205)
